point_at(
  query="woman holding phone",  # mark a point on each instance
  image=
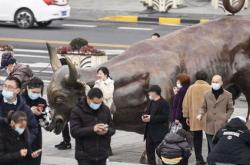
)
(14, 145)
(33, 96)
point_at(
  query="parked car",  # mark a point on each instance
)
(25, 13)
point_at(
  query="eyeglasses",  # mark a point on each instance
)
(8, 87)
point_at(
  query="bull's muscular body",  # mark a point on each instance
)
(218, 47)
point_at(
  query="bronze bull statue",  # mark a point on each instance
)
(218, 47)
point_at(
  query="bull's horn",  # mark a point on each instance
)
(54, 60)
(73, 75)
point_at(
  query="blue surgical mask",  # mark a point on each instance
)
(94, 106)
(20, 130)
(8, 95)
(216, 86)
(33, 96)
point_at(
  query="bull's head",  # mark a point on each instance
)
(63, 91)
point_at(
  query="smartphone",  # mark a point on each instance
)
(39, 151)
(40, 107)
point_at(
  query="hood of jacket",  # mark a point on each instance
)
(236, 124)
(174, 138)
(25, 69)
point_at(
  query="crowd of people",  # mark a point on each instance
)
(171, 132)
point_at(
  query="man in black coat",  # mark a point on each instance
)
(91, 125)
(10, 99)
(232, 143)
(156, 118)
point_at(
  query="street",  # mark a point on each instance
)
(113, 38)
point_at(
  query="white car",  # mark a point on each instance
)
(25, 13)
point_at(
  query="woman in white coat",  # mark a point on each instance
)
(106, 84)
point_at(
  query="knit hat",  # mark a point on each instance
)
(7, 59)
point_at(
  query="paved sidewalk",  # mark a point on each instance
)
(95, 9)
(127, 146)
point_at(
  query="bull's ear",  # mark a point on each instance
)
(81, 88)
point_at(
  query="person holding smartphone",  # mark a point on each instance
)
(14, 137)
(33, 97)
(156, 118)
(91, 125)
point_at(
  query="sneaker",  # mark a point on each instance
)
(65, 146)
(58, 145)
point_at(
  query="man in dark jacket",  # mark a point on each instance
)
(10, 99)
(20, 71)
(232, 144)
(91, 126)
(156, 118)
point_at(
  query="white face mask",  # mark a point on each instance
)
(151, 98)
(216, 86)
(179, 85)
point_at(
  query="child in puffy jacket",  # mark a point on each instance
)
(175, 149)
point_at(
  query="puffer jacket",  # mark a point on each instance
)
(22, 72)
(232, 144)
(174, 146)
(10, 145)
(89, 145)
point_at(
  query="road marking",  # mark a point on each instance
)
(31, 51)
(31, 56)
(77, 25)
(28, 40)
(38, 65)
(134, 28)
(107, 51)
(44, 71)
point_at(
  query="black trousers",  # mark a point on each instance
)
(150, 149)
(198, 138)
(210, 142)
(65, 134)
(91, 162)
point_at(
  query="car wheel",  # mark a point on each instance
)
(24, 19)
(44, 23)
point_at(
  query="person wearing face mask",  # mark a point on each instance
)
(14, 145)
(10, 99)
(217, 108)
(13, 69)
(106, 85)
(182, 84)
(91, 125)
(156, 118)
(33, 97)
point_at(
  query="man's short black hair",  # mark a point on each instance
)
(156, 34)
(35, 82)
(201, 75)
(17, 81)
(95, 93)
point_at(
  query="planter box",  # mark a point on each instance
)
(82, 61)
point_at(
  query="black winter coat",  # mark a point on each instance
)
(37, 144)
(232, 144)
(158, 126)
(89, 145)
(21, 106)
(10, 145)
(174, 146)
